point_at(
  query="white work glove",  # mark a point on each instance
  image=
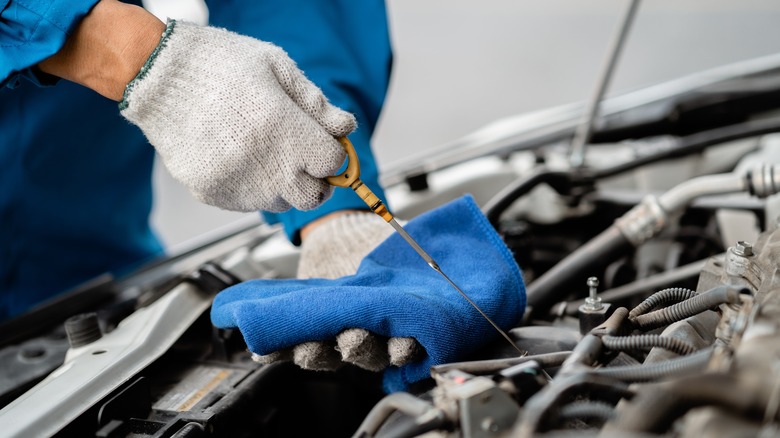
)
(236, 121)
(335, 249)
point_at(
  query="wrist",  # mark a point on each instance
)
(107, 49)
(308, 228)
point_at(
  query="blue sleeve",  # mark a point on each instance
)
(343, 46)
(33, 30)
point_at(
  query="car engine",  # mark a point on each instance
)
(651, 280)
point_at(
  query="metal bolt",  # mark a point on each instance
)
(489, 425)
(742, 248)
(593, 302)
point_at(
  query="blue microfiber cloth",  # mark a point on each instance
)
(393, 293)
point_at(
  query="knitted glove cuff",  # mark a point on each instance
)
(148, 64)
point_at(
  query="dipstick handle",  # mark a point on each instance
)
(374, 203)
(351, 178)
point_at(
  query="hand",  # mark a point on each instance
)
(393, 294)
(236, 121)
(334, 248)
(232, 117)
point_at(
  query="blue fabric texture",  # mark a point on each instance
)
(76, 193)
(75, 177)
(33, 30)
(393, 293)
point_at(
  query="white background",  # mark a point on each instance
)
(460, 64)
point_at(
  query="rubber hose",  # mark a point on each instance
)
(402, 402)
(538, 408)
(489, 366)
(693, 306)
(673, 294)
(655, 408)
(614, 323)
(642, 342)
(502, 200)
(583, 356)
(690, 364)
(587, 409)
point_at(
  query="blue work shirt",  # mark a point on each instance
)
(76, 177)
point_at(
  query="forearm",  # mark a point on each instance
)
(108, 48)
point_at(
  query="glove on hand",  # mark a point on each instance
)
(393, 294)
(335, 249)
(236, 121)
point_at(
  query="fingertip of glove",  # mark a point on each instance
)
(337, 122)
(363, 349)
(316, 356)
(276, 356)
(403, 350)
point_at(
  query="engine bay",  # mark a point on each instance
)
(653, 298)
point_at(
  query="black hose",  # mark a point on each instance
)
(673, 294)
(549, 288)
(480, 367)
(587, 409)
(539, 409)
(583, 356)
(559, 181)
(643, 342)
(655, 408)
(613, 324)
(406, 404)
(693, 306)
(686, 365)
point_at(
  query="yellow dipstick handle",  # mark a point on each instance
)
(351, 178)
